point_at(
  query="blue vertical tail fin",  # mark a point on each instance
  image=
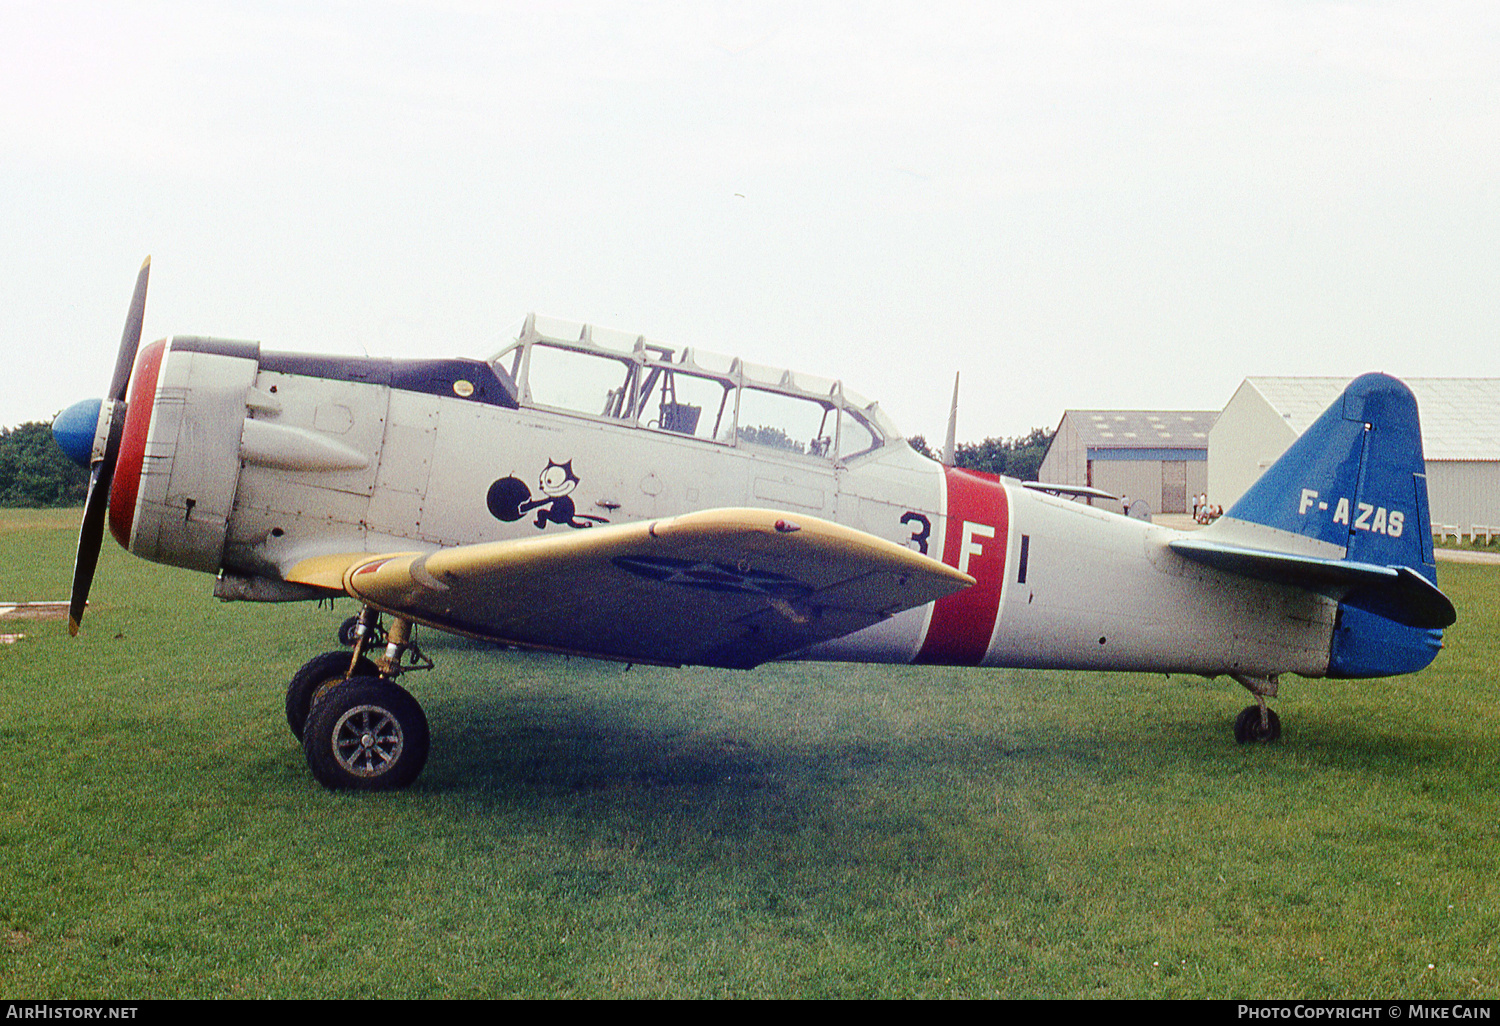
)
(1356, 480)
(1353, 489)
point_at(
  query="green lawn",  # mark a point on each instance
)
(815, 831)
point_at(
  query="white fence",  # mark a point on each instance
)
(1442, 531)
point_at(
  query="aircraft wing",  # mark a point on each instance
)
(1397, 593)
(725, 587)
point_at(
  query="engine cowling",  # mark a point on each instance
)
(179, 463)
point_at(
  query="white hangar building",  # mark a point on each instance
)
(1460, 438)
(1160, 456)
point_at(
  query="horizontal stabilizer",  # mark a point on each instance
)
(1397, 593)
(1072, 491)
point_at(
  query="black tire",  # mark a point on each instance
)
(317, 674)
(347, 637)
(366, 734)
(1247, 728)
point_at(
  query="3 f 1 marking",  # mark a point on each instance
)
(1367, 517)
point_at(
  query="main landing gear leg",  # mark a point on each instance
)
(1258, 722)
(361, 730)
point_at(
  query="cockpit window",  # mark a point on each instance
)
(856, 437)
(687, 392)
(566, 379)
(789, 424)
(686, 404)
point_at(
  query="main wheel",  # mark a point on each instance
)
(366, 734)
(317, 674)
(1247, 727)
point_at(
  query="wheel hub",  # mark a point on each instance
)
(367, 741)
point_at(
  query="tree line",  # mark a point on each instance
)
(1019, 457)
(34, 471)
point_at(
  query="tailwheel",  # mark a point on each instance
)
(366, 734)
(1258, 722)
(1251, 726)
(312, 681)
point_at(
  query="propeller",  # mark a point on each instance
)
(105, 453)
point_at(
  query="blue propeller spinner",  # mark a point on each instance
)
(75, 429)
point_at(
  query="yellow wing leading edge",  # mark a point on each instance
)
(724, 587)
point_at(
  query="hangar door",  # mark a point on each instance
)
(1174, 486)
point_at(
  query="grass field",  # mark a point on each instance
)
(585, 830)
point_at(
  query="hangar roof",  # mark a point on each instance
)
(1142, 429)
(1460, 416)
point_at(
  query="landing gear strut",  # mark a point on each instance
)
(359, 729)
(348, 632)
(1259, 722)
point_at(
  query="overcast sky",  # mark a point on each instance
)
(1075, 203)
